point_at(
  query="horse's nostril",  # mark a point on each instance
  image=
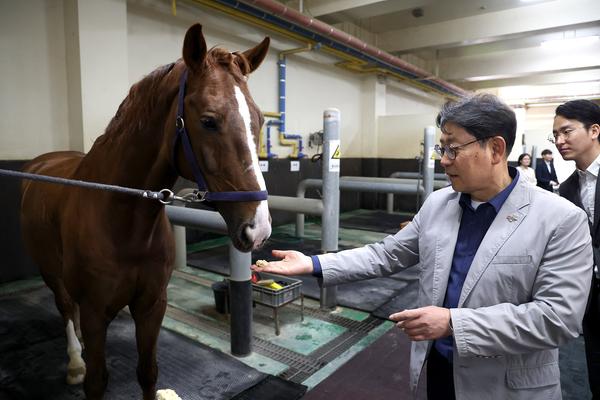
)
(246, 233)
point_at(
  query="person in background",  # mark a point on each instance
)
(545, 172)
(576, 133)
(525, 171)
(495, 302)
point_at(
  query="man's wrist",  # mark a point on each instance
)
(317, 271)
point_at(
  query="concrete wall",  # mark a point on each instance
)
(33, 88)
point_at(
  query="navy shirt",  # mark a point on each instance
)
(474, 224)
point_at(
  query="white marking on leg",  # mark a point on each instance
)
(76, 367)
(262, 227)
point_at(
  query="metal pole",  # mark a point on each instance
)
(180, 246)
(428, 161)
(240, 302)
(331, 195)
(240, 288)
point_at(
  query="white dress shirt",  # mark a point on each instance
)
(587, 187)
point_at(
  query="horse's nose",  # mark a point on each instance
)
(253, 236)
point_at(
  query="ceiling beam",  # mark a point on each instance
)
(492, 26)
(577, 76)
(518, 62)
(366, 8)
(319, 8)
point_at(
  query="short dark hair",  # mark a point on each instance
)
(522, 156)
(585, 111)
(482, 115)
(546, 151)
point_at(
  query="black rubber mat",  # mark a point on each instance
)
(375, 220)
(366, 295)
(378, 372)
(273, 388)
(33, 361)
(405, 297)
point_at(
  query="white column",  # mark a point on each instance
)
(97, 70)
(373, 106)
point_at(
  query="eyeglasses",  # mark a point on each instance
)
(565, 133)
(450, 151)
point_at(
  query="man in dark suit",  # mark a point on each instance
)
(576, 133)
(545, 172)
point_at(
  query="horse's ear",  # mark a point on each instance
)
(257, 54)
(194, 47)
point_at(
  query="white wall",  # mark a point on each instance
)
(34, 91)
(33, 87)
(400, 136)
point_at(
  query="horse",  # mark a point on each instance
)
(101, 251)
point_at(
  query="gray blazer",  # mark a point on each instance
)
(524, 295)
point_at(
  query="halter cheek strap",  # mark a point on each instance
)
(182, 136)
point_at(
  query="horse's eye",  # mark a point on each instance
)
(209, 123)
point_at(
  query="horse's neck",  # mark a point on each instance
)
(136, 158)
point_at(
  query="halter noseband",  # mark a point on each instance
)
(182, 135)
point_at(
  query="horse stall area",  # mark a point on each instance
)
(152, 151)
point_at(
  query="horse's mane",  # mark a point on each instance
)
(135, 109)
(145, 95)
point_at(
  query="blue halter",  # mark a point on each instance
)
(182, 135)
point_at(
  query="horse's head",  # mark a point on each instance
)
(223, 124)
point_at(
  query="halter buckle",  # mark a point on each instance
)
(179, 124)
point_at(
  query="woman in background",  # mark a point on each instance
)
(526, 172)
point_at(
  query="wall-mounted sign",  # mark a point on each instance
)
(334, 162)
(264, 165)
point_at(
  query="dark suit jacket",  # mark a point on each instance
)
(543, 176)
(569, 189)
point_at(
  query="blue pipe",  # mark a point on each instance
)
(282, 77)
(269, 124)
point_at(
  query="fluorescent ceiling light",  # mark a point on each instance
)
(560, 44)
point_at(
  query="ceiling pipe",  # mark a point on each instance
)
(353, 45)
(356, 55)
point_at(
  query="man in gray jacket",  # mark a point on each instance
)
(505, 267)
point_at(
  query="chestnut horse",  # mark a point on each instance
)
(101, 251)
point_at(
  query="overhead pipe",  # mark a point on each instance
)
(358, 54)
(284, 138)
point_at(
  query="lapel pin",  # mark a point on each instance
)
(511, 218)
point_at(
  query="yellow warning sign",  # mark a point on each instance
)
(336, 154)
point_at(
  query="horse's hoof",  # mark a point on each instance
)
(75, 375)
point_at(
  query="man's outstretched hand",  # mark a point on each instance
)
(292, 263)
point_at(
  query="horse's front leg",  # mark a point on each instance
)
(148, 318)
(93, 327)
